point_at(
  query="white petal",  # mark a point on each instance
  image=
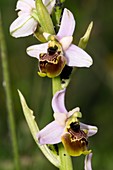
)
(50, 134)
(23, 26)
(58, 102)
(67, 24)
(92, 130)
(87, 163)
(35, 50)
(25, 5)
(49, 4)
(66, 42)
(77, 57)
(60, 118)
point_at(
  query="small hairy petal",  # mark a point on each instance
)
(92, 130)
(35, 50)
(87, 163)
(66, 42)
(23, 26)
(50, 134)
(77, 57)
(49, 4)
(25, 5)
(67, 25)
(70, 113)
(60, 118)
(58, 102)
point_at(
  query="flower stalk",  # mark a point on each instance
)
(56, 84)
(6, 84)
(66, 163)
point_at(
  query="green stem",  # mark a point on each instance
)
(6, 83)
(65, 159)
(56, 84)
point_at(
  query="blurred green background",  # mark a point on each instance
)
(90, 89)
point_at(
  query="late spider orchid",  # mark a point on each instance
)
(26, 23)
(67, 128)
(59, 50)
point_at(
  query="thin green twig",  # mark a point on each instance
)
(6, 83)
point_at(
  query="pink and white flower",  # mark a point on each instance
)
(26, 24)
(66, 128)
(74, 55)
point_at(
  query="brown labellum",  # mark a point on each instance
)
(52, 62)
(75, 140)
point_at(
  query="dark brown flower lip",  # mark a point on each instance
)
(79, 135)
(51, 65)
(75, 145)
(76, 133)
(53, 59)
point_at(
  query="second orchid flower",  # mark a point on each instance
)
(67, 128)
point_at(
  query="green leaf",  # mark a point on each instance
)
(30, 118)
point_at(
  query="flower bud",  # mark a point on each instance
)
(84, 40)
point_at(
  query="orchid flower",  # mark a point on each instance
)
(59, 50)
(66, 128)
(26, 23)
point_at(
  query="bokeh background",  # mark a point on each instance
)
(90, 89)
